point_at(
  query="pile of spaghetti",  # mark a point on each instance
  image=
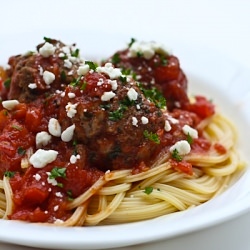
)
(83, 143)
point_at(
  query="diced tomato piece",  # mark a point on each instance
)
(220, 148)
(182, 166)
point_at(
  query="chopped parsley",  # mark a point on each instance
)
(7, 83)
(84, 85)
(155, 96)
(189, 139)
(151, 136)
(63, 76)
(75, 53)
(21, 151)
(131, 42)
(76, 81)
(176, 155)
(57, 172)
(116, 58)
(148, 190)
(91, 64)
(17, 127)
(9, 174)
(47, 39)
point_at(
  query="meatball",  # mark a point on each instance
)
(112, 118)
(154, 66)
(51, 68)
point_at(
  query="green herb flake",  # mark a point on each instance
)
(116, 58)
(116, 115)
(84, 85)
(7, 83)
(17, 127)
(151, 136)
(75, 53)
(176, 155)
(21, 151)
(76, 81)
(155, 96)
(47, 39)
(148, 190)
(189, 139)
(63, 76)
(57, 172)
(91, 64)
(131, 42)
(70, 196)
(9, 174)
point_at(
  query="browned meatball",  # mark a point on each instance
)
(153, 66)
(50, 68)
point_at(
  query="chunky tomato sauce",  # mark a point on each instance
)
(69, 121)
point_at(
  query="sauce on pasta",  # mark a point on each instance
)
(82, 142)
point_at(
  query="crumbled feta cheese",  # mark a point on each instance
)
(47, 50)
(113, 83)
(42, 139)
(10, 104)
(42, 157)
(132, 94)
(107, 96)
(173, 120)
(183, 147)
(37, 177)
(190, 131)
(68, 133)
(40, 70)
(48, 77)
(144, 120)
(138, 106)
(108, 69)
(54, 127)
(59, 194)
(32, 85)
(83, 70)
(67, 63)
(56, 208)
(167, 126)
(51, 181)
(147, 50)
(134, 121)
(74, 158)
(71, 109)
(71, 95)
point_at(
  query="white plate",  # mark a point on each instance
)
(210, 74)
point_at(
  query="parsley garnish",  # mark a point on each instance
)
(46, 39)
(148, 190)
(116, 58)
(92, 65)
(57, 172)
(155, 96)
(63, 76)
(176, 155)
(151, 136)
(9, 174)
(75, 53)
(17, 127)
(76, 81)
(117, 114)
(69, 193)
(21, 151)
(131, 42)
(189, 139)
(84, 85)
(7, 83)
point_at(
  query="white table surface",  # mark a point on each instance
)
(222, 25)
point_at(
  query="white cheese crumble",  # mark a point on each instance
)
(144, 120)
(113, 84)
(71, 95)
(54, 127)
(48, 77)
(182, 146)
(10, 104)
(59, 194)
(68, 133)
(147, 49)
(47, 50)
(42, 139)
(83, 70)
(134, 121)
(71, 109)
(74, 158)
(107, 96)
(132, 94)
(32, 85)
(108, 69)
(56, 208)
(67, 63)
(190, 131)
(42, 157)
(167, 126)
(37, 177)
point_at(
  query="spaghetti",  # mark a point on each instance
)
(83, 144)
